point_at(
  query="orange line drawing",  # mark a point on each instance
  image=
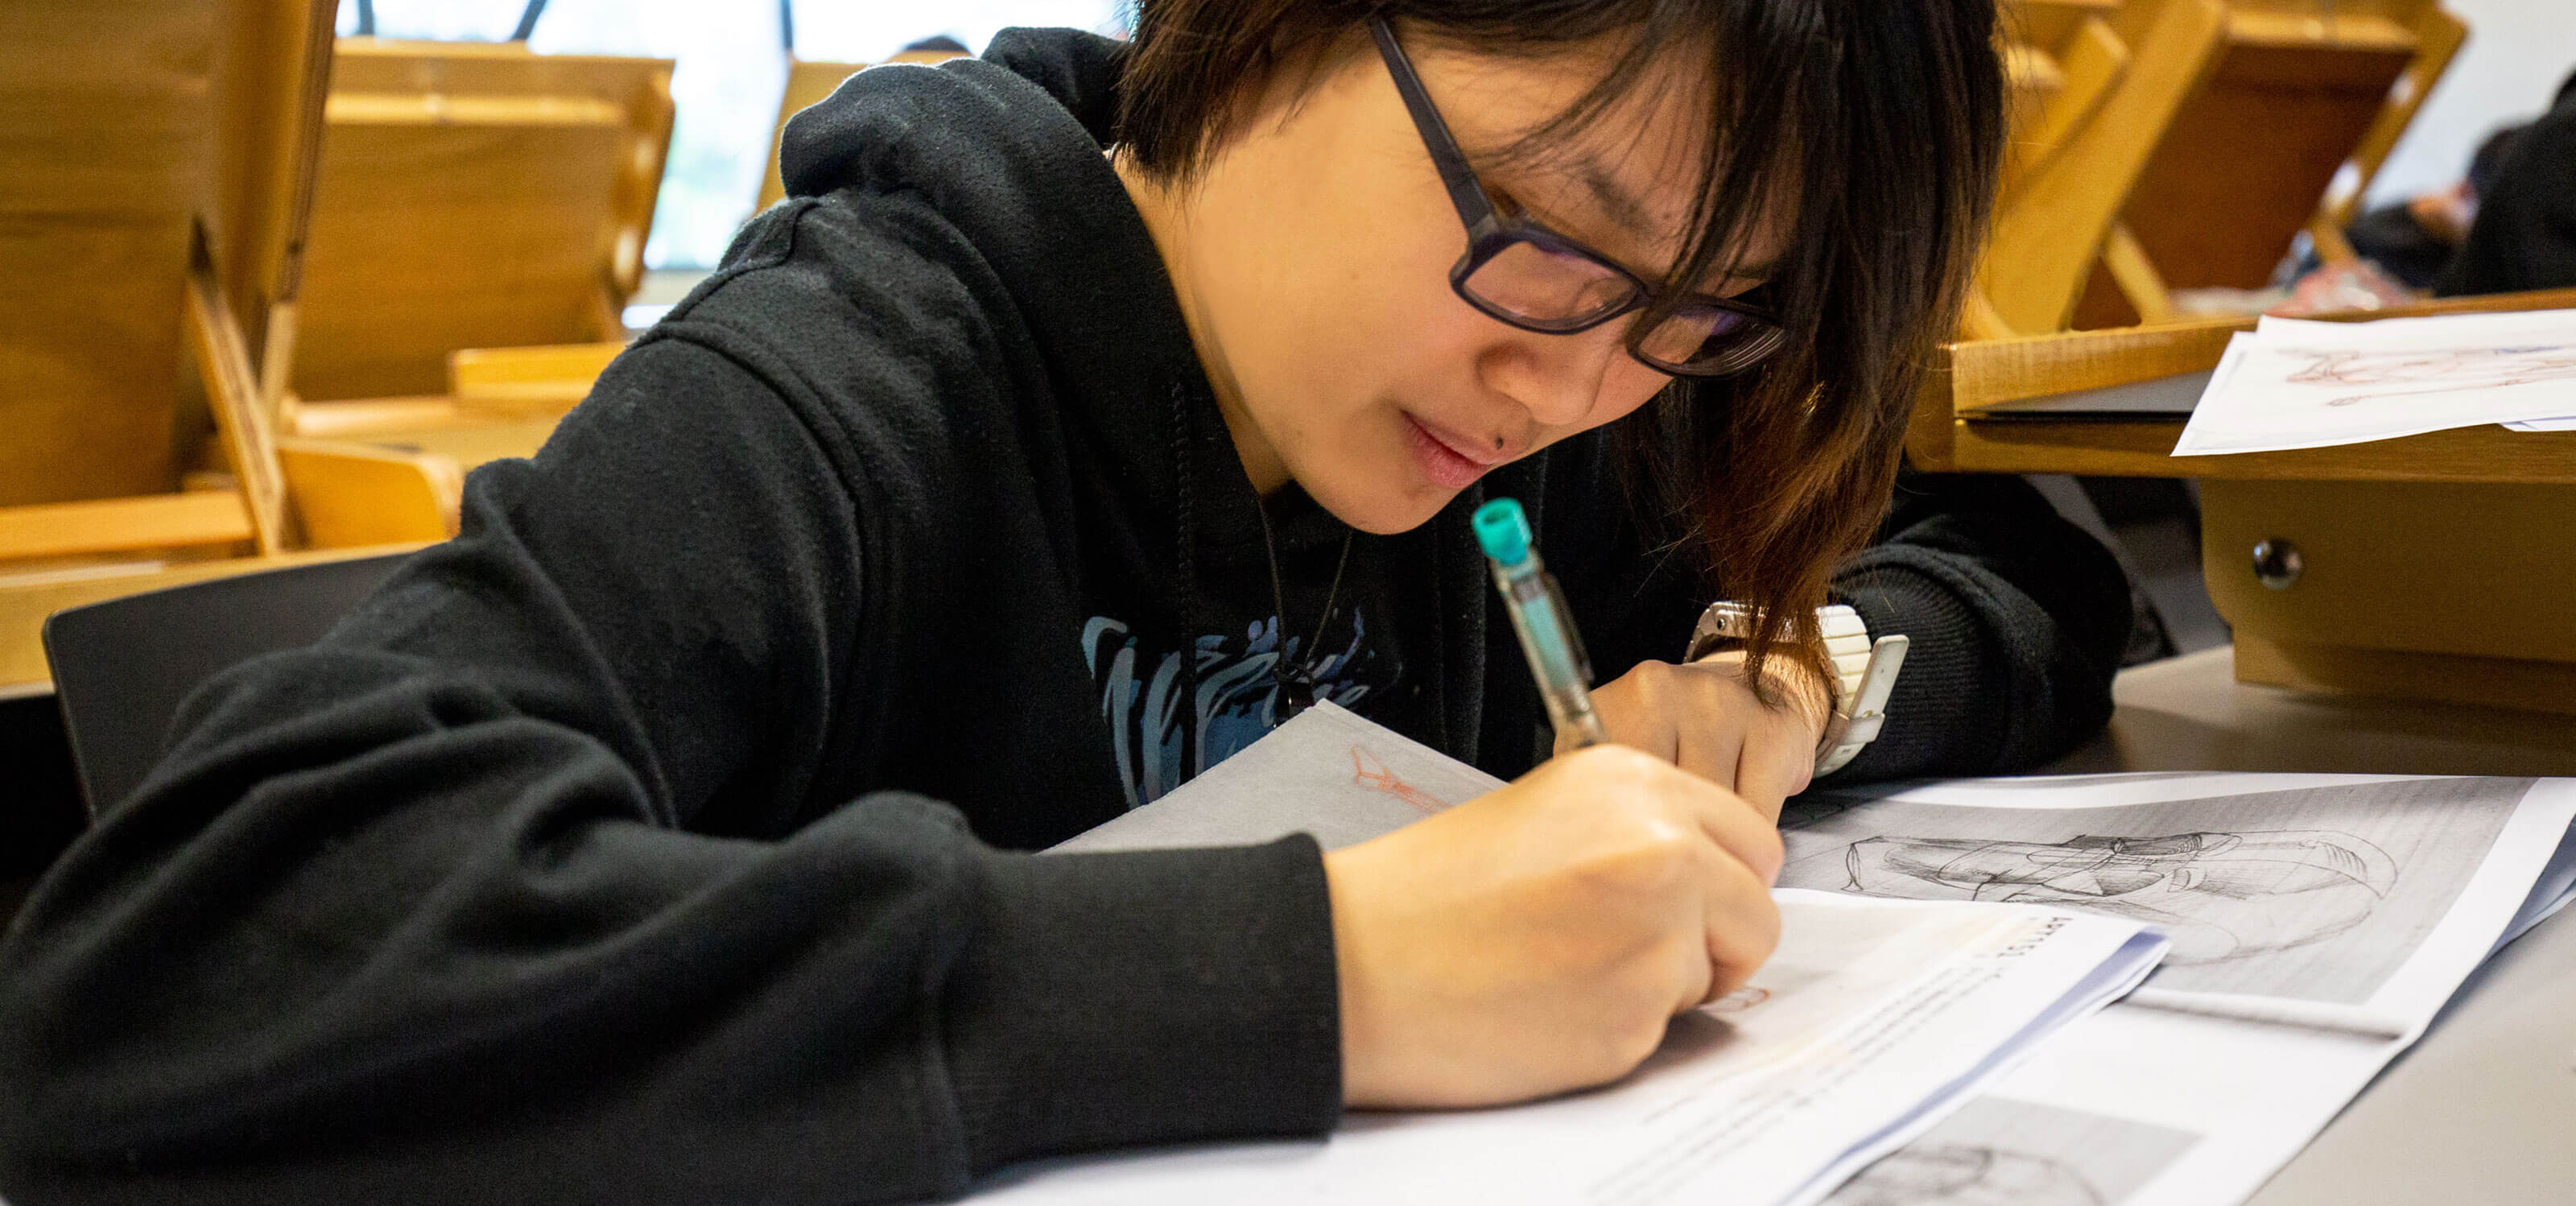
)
(1370, 773)
(2435, 370)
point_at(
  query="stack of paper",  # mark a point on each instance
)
(2319, 923)
(1872, 1021)
(1891, 1054)
(2295, 383)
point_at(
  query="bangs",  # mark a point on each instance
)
(1737, 83)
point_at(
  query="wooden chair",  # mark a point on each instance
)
(2074, 159)
(2049, 23)
(2300, 89)
(2439, 36)
(473, 196)
(153, 161)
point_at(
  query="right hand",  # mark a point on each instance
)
(1538, 938)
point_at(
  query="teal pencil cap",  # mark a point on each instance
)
(1503, 530)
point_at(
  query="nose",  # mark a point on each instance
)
(1563, 381)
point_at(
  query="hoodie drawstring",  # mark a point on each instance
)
(1185, 522)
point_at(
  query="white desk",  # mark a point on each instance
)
(2483, 1110)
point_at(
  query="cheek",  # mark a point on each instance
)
(1625, 386)
(1347, 318)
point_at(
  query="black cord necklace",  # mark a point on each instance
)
(1297, 683)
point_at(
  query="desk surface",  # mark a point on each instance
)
(2483, 1109)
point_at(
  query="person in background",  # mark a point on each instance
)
(938, 48)
(2415, 239)
(2524, 235)
(1084, 411)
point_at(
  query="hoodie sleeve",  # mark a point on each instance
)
(458, 906)
(2017, 620)
(2017, 617)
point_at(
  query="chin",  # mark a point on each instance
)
(1380, 507)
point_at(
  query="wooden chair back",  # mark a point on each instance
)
(473, 196)
(2074, 161)
(2049, 23)
(2439, 36)
(156, 163)
(128, 135)
(2298, 89)
(152, 160)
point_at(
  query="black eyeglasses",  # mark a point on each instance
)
(1524, 274)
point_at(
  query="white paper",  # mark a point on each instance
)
(2194, 1098)
(2295, 383)
(2566, 423)
(1328, 772)
(2359, 901)
(2135, 1107)
(1871, 1022)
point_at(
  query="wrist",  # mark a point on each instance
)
(1787, 685)
(1364, 1043)
(1855, 693)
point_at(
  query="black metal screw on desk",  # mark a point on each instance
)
(2277, 563)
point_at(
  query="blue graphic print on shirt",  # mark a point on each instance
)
(1238, 696)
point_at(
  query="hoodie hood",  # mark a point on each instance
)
(999, 170)
(987, 142)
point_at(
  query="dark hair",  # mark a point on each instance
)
(1876, 124)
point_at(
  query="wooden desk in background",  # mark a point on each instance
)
(2434, 567)
(2481, 1110)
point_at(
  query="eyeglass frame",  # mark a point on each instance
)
(1489, 233)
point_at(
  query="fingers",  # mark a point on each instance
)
(1705, 719)
(1740, 922)
(1737, 828)
(1773, 768)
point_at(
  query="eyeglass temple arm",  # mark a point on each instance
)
(1474, 207)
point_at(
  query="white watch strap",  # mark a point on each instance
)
(1864, 673)
(1863, 709)
(1846, 647)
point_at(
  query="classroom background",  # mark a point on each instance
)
(276, 275)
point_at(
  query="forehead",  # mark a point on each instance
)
(1628, 173)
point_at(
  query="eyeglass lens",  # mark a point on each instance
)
(1550, 289)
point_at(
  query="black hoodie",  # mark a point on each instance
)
(647, 842)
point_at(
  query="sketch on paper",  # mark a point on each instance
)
(1960, 1174)
(1369, 771)
(1997, 1151)
(2316, 893)
(2419, 371)
(2217, 895)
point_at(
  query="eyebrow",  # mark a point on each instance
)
(1630, 214)
(1626, 211)
(1622, 205)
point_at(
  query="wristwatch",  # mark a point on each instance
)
(1864, 672)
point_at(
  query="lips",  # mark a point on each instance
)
(1450, 462)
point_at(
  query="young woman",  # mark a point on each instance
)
(1083, 412)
